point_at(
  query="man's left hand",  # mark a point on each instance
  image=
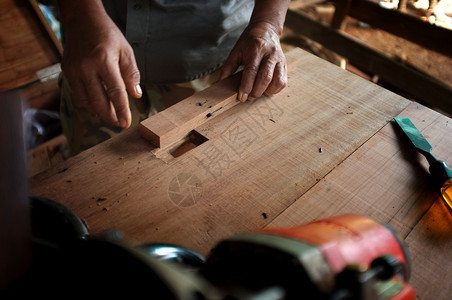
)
(264, 64)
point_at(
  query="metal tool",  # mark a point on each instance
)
(441, 174)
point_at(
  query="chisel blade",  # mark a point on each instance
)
(415, 136)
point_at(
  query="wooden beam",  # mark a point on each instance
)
(45, 24)
(341, 12)
(175, 122)
(299, 4)
(27, 44)
(403, 25)
(422, 87)
(259, 158)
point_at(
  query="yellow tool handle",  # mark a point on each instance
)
(446, 192)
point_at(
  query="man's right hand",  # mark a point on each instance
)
(98, 62)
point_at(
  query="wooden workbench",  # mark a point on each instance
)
(324, 146)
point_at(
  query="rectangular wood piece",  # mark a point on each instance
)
(176, 122)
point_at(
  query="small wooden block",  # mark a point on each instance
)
(176, 122)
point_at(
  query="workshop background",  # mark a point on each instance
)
(30, 52)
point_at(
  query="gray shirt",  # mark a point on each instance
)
(180, 40)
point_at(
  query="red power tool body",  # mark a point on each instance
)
(345, 257)
(342, 257)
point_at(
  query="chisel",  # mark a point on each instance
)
(441, 174)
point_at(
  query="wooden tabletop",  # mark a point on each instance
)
(326, 145)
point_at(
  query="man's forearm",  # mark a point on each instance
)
(272, 12)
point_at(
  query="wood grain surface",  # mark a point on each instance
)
(386, 179)
(324, 146)
(27, 43)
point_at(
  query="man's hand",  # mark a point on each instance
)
(264, 63)
(98, 62)
(259, 52)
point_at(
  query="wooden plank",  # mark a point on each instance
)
(386, 179)
(341, 11)
(45, 24)
(404, 25)
(417, 84)
(299, 4)
(46, 155)
(175, 122)
(430, 242)
(26, 45)
(258, 159)
(45, 95)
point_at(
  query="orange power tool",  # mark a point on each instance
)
(342, 257)
(339, 258)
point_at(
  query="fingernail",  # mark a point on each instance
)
(138, 90)
(242, 96)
